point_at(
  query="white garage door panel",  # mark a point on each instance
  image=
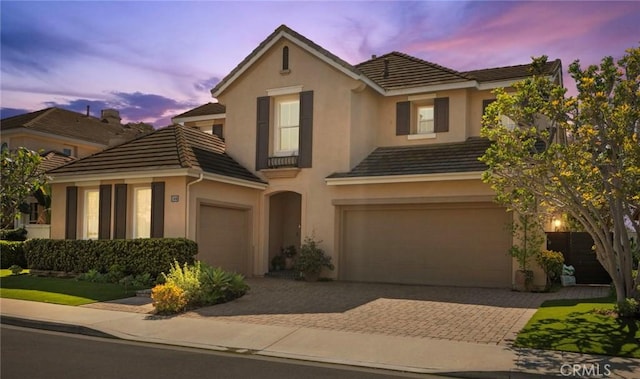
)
(223, 238)
(459, 245)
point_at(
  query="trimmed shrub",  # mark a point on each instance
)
(168, 298)
(19, 234)
(551, 262)
(12, 253)
(122, 257)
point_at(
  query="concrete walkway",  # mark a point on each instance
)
(327, 330)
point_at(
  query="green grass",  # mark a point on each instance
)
(57, 290)
(573, 325)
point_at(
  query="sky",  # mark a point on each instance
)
(153, 60)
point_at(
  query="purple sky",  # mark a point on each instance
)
(155, 59)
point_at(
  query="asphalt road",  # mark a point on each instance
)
(31, 353)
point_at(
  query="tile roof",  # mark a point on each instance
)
(204, 110)
(172, 147)
(405, 71)
(65, 123)
(424, 159)
(511, 72)
(53, 159)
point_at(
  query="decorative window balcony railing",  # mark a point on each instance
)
(281, 162)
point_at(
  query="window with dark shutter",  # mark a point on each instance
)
(441, 114)
(71, 217)
(104, 212)
(262, 133)
(120, 211)
(305, 151)
(157, 210)
(485, 104)
(217, 130)
(403, 118)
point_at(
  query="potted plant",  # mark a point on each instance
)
(530, 236)
(312, 260)
(289, 253)
(277, 262)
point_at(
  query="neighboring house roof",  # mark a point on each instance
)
(65, 123)
(397, 71)
(441, 158)
(53, 159)
(203, 110)
(511, 72)
(172, 147)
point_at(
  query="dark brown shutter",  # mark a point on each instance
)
(485, 104)
(262, 133)
(120, 211)
(157, 210)
(104, 212)
(305, 142)
(71, 219)
(403, 118)
(441, 114)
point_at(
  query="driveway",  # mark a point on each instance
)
(480, 315)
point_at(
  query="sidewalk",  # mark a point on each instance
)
(420, 355)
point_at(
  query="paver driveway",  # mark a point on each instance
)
(481, 315)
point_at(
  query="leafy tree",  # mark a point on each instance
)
(20, 178)
(579, 155)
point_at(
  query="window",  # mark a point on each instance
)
(285, 58)
(142, 212)
(91, 213)
(33, 213)
(287, 124)
(66, 152)
(424, 119)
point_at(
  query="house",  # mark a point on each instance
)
(377, 160)
(209, 118)
(62, 136)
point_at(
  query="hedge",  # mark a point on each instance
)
(12, 253)
(19, 234)
(136, 256)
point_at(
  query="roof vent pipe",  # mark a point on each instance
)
(87, 110)
(386, 68)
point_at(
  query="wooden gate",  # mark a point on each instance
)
(576, 247)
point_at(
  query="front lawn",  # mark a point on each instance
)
(574, 325)
(57, 290)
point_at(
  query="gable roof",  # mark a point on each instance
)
(65, 123)
(303, 42)
(405, 71)
(169, 148)
(444, 158)
(203, 110)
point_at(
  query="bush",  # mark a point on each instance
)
(12, 253)
(92, 276)
(628, 308)
(551, 262)
(168, 298)
(15, 270)
(312, 258)
(203, 285)
(19, 234)
(132, 257)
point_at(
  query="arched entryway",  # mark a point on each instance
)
(284, 224)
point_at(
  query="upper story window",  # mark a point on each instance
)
(422, 117)
(142, 212)
(287, 124)
(506, 121)
(91, 214)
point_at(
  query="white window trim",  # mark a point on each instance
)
(276, 146)
(85, 218)
(135, 211)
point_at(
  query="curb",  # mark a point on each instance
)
(54, 326)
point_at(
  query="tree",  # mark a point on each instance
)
(20, 178)
(578, 155)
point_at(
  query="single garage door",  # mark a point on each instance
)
(462, 244)
(223, 238)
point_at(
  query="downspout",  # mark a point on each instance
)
(188, 200)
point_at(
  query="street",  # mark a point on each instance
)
(31, 353)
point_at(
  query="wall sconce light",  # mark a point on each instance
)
(557, 223)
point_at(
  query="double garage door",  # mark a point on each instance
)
(461, 244)
(223, 237)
